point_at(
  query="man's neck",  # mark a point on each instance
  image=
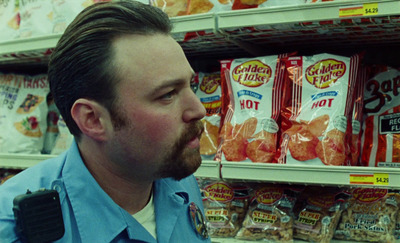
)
(130, 195)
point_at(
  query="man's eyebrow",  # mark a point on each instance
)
(171, 83)
(167, 84)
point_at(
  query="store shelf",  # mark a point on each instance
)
(313, 175)
(196, 22)
(239, 33)
(231, 240)
(21, 161)
(299, 13)
(209, 169)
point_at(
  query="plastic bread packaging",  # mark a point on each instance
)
(225, 206)
(370, 216)
(316, 115)
(381, 137)
(209, 93)
(23, 113)
(252, 93)
(270, 215)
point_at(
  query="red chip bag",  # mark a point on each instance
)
(209, 93)
(251, 89)
(317, 110)
(381, 138)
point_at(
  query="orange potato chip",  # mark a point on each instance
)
(235, 149)
(318, 125)
(199, 6)
(208, 144)
(261, 150)
(226, 131)
(302, 145)
(247, 128)
(331, 149)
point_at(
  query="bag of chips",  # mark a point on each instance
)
(225, 205)
(370, 216)
(381, 138)
(23, 113)
(270, 214)
(251, 89)
(318, 213)
(317, 110)
(209, 93)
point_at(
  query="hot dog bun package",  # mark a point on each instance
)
(381, 137)
(316, 116)
(251, 89)
(209, 93)
(23, 113)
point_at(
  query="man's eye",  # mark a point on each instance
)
(168, 95)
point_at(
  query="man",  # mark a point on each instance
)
(122, 85)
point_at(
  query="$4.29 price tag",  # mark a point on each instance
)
(366, 9)
(381, 179)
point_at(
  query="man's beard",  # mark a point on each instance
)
(183, 161)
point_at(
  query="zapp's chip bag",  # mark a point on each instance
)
(381, 138)
(252, 91)
(209, 93)
(317, 108)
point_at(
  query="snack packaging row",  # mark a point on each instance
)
(322, 109)
(29, 119)
(189, 7)
(283, 213)
(23, 19)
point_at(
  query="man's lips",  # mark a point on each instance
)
(194, 143)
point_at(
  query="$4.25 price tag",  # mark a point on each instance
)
(367, 9)
(381, 179)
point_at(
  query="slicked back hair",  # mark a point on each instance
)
(82, 63)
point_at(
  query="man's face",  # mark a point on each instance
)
(161, 114)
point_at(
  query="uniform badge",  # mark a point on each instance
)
(198, 221)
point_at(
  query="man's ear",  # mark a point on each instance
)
(92, 118)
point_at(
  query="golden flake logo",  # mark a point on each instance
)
(220, 192)
(369, 194)
(252, 73)
(325, 73)
(269, 195)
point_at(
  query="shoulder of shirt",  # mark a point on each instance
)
(39, 176)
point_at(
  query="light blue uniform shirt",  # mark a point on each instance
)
(90, 215)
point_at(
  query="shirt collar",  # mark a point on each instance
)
(93, 209)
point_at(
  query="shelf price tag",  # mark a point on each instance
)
(366, 9)
(381, 179)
